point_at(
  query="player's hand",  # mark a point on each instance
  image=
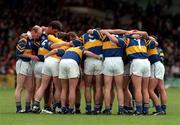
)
(103, 32)
(101, 58)
(129, 32)
(90, 31)
(71, 43)
(34, 58)
(45, 56)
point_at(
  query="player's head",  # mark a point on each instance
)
(62, 35)
(36, 31)
(72, 35)
(54, 27)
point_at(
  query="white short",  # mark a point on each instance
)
(93, 66)
(23, 67)
(38, 69)
(140, 67)
(127, 69)
(68, 68)
(33, 65)
(113, 66)
(51, 66)
(157, 70)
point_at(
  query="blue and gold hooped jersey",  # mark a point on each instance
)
(75, 53)
(45, 46)
(137, 48)
(93, 42)
(77, 43)
(44, 49)
(111, 49)
(24, 46)
(153, 55)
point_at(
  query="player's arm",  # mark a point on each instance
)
(116, 31)
(52, 52)
(144, 34)
(90, 54)
(20, 50)
(57, 45)
(110, 36)
(154, 40)
(54, 39)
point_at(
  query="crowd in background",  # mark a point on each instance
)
(18, 16)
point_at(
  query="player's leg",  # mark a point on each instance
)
(98, 94)
(19, 87)
(145, 93)
(137, 80)
(64, 85)
(160, 75)
(120, 94)
(78, 97)
(163, 95)
(57, 93)
(29, 87)
(88, 96)
(127, 94)
(73, 82)
(107, 93)
(40, 92)
(152, 86)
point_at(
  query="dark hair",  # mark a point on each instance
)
(62, 35)
(72, 35)
(56, 25)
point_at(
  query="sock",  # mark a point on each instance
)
(70, 110)
(100, 108)
(28, 106)
(145, 107)
(97, 107)
(110, 106)
(139, 107)
(58, 104)
(126, 107)
(163, 107)
(18, 106)
(120, 108)
(158, 108)
(36, 103)
(64, 109)
(130, 108)
(88, 106)
(77, 106)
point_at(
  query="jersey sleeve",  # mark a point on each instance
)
(82, 38)
(150, 44)
(121, 42)
(77, 42)
(97, 34)
(21, 46)
(60, 52)
(54, 39)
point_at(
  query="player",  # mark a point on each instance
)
(50, 67)
(136, 50)
(93, 69)
(156, 80)
(113, 68)
(24, 67)
(69, 74)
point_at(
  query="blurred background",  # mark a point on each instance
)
(157, 17)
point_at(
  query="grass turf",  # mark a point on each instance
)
(9, 117)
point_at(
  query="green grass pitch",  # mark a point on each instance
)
(9, 117)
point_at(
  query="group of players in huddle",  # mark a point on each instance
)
(52, 64)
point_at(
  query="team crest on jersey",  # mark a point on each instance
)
(44, 42)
